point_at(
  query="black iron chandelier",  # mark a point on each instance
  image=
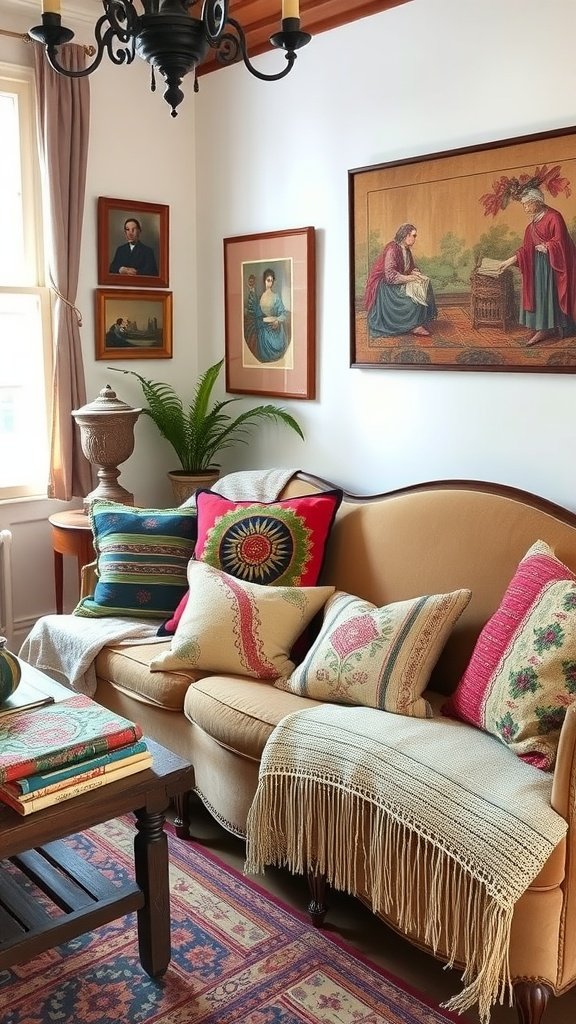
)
(169, 38)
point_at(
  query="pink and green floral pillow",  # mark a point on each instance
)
(377, 657)
(522, 674)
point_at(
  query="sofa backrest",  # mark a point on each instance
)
(436, 537)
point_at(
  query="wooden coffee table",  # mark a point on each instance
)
(32, 846)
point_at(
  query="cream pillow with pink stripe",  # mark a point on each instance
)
(522, 673)
(236, 627)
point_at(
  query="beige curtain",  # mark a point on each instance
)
(64, 119)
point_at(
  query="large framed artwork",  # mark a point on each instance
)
(133, 324)
(270, 313)
(133, 243)
(466, 260)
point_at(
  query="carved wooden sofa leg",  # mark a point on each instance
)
(182, 819)
(317, 907)
(531, 999)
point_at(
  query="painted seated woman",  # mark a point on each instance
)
(272, 337)
(398, 299)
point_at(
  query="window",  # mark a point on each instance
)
(24, 303)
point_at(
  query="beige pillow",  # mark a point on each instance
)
(377, 657)
(243, 628)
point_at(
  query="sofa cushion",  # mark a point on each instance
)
(127, 667)
(142, 556)
(240, 713)
(229, 625)
(377, 657)
(522, 673)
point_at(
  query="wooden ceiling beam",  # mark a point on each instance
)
(261, 18)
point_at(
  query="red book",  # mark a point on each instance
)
(66, 732)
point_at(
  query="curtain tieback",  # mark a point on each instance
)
(68, 303)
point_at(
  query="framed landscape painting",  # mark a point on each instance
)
(133, 324)
(466, 260)
(270, 313)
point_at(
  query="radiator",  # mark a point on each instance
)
(6, 610)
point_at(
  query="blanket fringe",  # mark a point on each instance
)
(303, 824)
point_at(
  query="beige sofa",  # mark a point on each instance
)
(430, 538)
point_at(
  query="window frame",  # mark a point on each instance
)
(20, 81)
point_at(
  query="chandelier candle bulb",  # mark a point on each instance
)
(290, 9)
(50, 6)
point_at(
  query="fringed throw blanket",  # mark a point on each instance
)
(353, 792)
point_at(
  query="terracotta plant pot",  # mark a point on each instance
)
(184, 484)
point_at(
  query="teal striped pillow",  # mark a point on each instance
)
(142, 556)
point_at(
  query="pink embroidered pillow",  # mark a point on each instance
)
(278, 543)
(169, 627)
(522, 673)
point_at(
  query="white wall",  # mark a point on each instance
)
(245, 156)
(429, 76)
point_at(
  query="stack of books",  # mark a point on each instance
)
(53, 753)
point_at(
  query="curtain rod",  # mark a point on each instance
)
(22, 36)
(25, 38)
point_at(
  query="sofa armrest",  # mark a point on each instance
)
(564, 784)
(88, 580)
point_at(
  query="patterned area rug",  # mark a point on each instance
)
(238, 957)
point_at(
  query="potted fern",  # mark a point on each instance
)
(202, 428)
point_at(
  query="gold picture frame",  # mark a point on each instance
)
(133, 324)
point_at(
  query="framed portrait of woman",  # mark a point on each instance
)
(270, 313)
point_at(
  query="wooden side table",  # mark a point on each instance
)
(71, 535)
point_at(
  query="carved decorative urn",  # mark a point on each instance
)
(107, 437)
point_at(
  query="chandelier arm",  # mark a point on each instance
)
(230, 45)
(108, 31)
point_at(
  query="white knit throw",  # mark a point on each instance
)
(354, 793)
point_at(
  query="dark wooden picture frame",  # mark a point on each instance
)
(471, 212)
(133, 324)
(270, 313)
(152, 249)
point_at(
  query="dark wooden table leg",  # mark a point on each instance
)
(151, 869)
(59, 581)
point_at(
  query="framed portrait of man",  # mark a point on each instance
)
(133, 243)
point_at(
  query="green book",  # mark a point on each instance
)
(64, 733)
(32, 783)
